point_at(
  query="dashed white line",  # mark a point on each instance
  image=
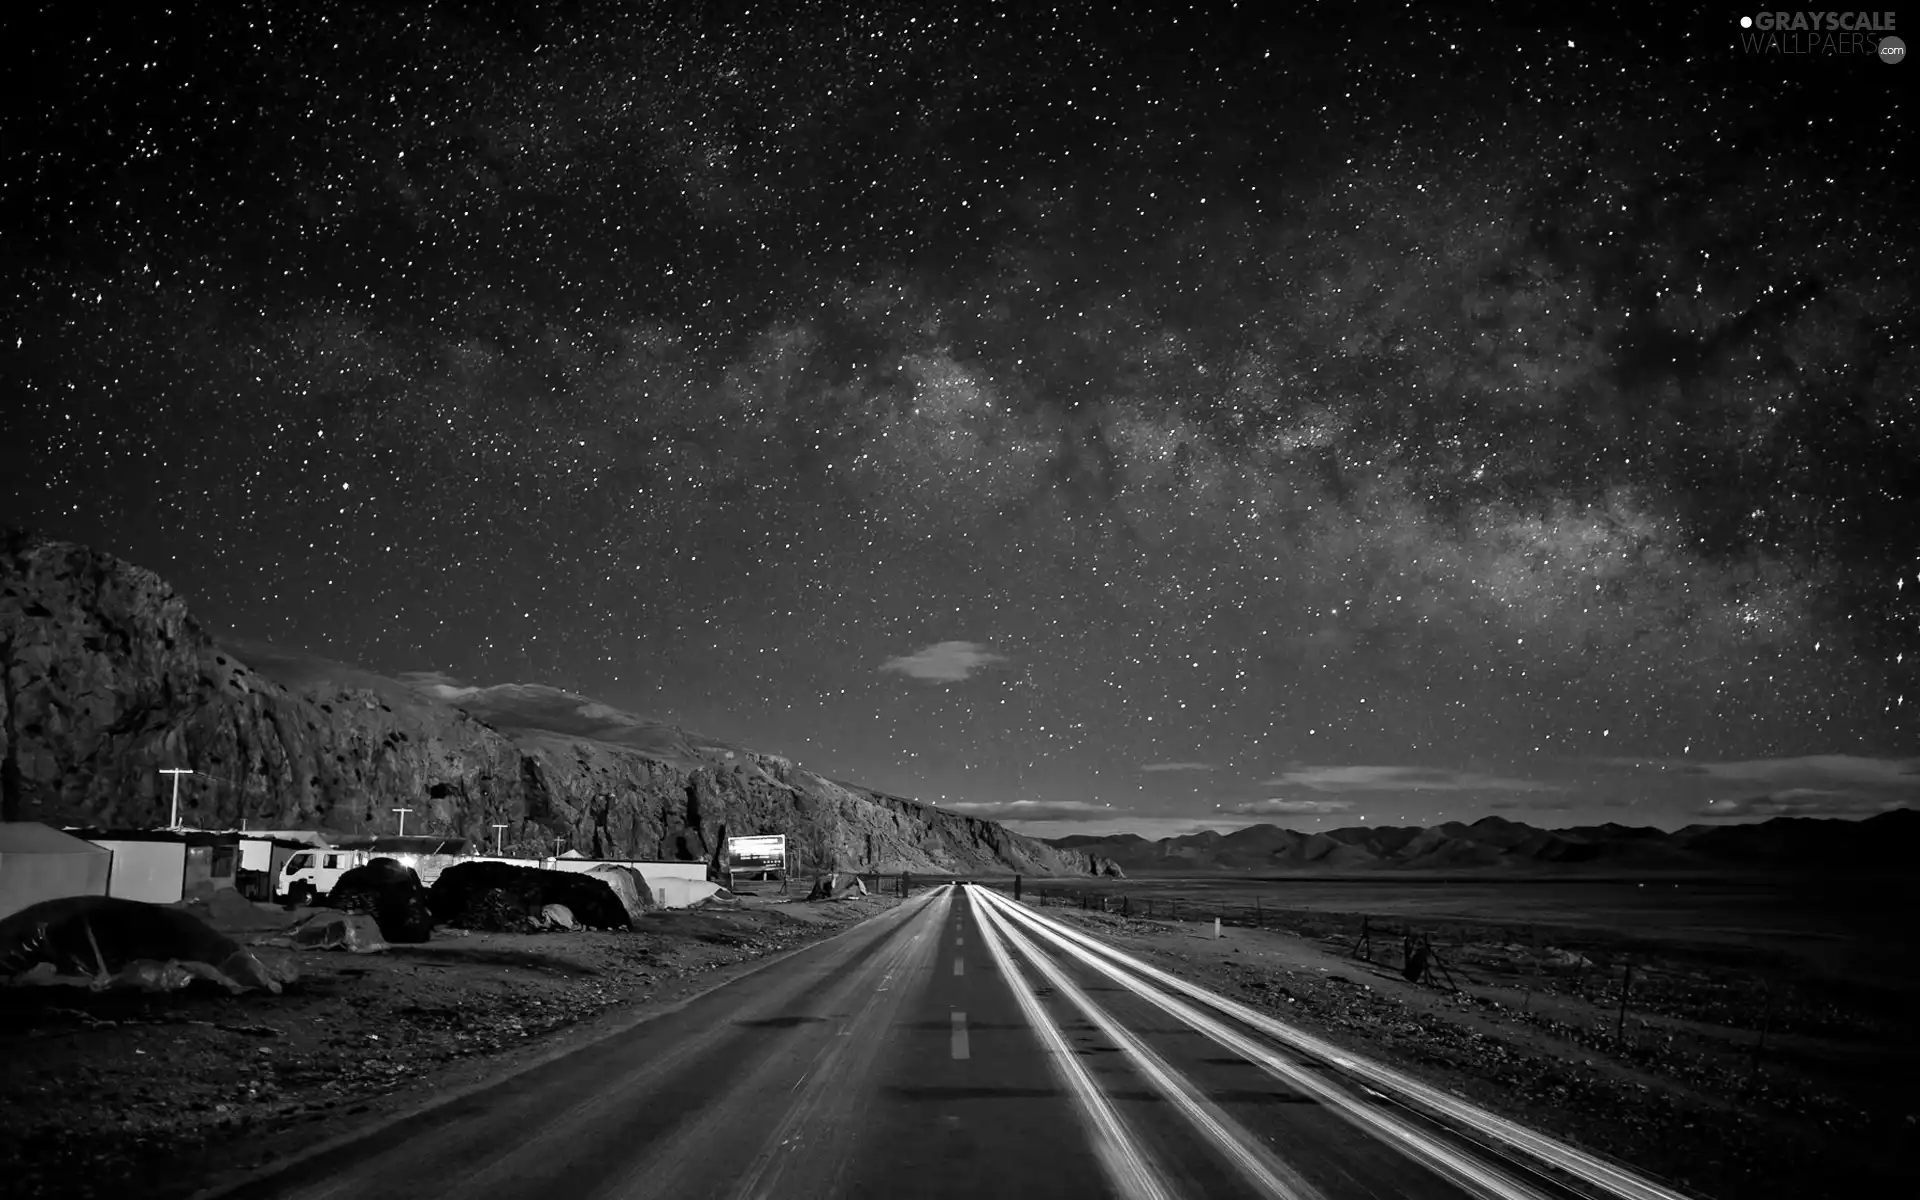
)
(959, 1034)
(959, 966)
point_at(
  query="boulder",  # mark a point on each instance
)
(559, 916)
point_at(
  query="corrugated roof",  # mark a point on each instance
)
(31, 837)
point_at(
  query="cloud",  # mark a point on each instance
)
(428, 678)
(1279, 804)
(1810, 770)
(1035, 810)
(1797, 802)
(1179, 766)
(1816, 768)
(1150, 828)
(437, 684)
(1401, 779)
(946, 662)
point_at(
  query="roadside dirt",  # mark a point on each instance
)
(117, 1093)
(1666, 1098)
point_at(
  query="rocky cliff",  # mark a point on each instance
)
(105, 679)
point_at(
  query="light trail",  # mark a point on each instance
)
(1258, 1165)
(1132, 1175)
(1464, 1171)
(1615, 1180)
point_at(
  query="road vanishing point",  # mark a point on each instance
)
(958, 1045)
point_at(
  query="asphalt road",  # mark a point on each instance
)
(956, 1046)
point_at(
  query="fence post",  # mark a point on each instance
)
(1259, 921)
(1766, 1019)
(1626, 985)
(1125, 911)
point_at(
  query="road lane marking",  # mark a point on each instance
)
(820, 1112)
(959, 966)
(1126, 1165)
(959, 1035)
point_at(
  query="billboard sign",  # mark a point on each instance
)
(761, 852)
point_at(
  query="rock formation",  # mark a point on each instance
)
(105, 679)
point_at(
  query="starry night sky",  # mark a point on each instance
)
(1098, 418)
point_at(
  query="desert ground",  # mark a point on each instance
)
(118, 1093)
(1763, 1049)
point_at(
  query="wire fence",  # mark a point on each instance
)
(1618, 981)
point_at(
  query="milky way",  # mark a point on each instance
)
(1098, 422)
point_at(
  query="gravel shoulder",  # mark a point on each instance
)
(1663, 1099)
(119, 1093)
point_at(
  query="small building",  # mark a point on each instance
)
(674, 884)
(166, 866)
(38, 862)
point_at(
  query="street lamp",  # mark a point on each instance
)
(403, 819)
(497, 835)
(173, 820)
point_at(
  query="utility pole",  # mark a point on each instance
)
(403, 819)
(173, 821)
(497, 835)
(557, 843)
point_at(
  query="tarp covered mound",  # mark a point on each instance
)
(502, 896)
(356, 932)
(721, 898)
(837, 885)
(628, 884)
(101, 936)
(226, 909)
(392, 894)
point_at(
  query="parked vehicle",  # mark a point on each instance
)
(311, 874)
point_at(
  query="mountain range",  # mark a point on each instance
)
(106, 680)
(1495, 843)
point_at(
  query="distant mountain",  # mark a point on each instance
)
(1495, 844)
(105, 679)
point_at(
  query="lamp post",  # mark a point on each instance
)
(403, 819)
(497, 835)
(173, 820)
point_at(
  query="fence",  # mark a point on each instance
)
(1618, 981)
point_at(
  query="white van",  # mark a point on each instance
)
(311, 874)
